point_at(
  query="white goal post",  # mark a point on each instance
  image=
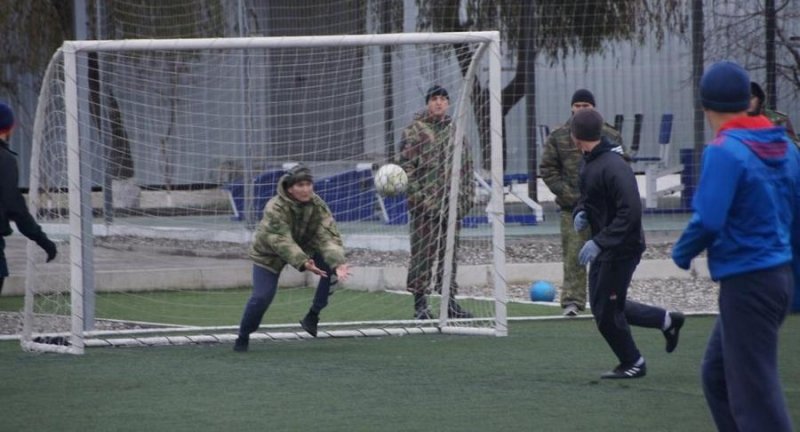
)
(193, 120)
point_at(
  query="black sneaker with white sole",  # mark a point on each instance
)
(626, 372)
(673, 332)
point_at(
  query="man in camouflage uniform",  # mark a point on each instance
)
(757, 100)
(426, 153)
(560, 168)
(297, 229)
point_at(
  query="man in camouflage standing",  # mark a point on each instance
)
(560, 169)
(297, 229)
(426, 153)
(757, 100)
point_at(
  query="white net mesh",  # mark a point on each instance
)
(180, 149)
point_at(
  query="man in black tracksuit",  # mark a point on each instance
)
(610, 205)
(12, 203)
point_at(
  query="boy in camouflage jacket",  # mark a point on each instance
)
(297, 229)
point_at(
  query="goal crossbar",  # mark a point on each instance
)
(281, 42)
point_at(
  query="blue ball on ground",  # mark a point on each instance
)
(542, 291)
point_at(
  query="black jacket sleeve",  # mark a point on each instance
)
(621, 185)
(12, 203)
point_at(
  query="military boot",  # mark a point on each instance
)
(454, 310)
(421, 311)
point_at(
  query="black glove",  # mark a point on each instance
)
(49, 247)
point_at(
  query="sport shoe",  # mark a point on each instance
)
(241, 344)
(571, 310)
(625, 372)
(309, 323)
(673, 332)
(423, 314)
(456, 311)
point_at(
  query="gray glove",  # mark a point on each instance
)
(581, 221)
(588, 252)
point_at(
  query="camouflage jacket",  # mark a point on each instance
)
(561, 162)
(291, 232)
(426, 155)
(781, 119)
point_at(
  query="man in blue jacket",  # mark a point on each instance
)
(746, 218)
(610, 207)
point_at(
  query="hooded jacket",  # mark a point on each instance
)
(610, 197)
(745, 203)
(291, 232)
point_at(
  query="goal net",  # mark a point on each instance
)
(153, 161)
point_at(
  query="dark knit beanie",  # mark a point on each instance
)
(583, 95)
(725, 87)
(297, 174)
(436, 90)
(6, 117)
(587, 125)
(757, 92)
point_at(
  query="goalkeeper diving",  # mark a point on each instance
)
(297, 229)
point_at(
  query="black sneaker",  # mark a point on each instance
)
(241, 344)
(625, 372)
(673, 332)
(456, 311)
(423, 314)
(309, 323)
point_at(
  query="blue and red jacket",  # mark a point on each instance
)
(746, 201)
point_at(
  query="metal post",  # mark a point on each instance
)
(84, 152)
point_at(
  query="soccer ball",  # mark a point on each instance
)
(391, 180)
(542, 291)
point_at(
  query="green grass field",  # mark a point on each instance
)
(543, 377)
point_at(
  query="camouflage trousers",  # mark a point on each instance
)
(573, 288)
(428, 239)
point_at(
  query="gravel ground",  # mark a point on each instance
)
(689, 295)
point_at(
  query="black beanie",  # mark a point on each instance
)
(587, 125)
(583, 95)
(725, 87)
(436, 90)
(757, 92)
(6, 117)
(297, 174)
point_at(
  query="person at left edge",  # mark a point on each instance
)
(12, 203)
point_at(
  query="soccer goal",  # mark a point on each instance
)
(153, 159)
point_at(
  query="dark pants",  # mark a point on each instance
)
(265, 284)
(428, 238)
(740, 367)
(3, 263)
(608, 291)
